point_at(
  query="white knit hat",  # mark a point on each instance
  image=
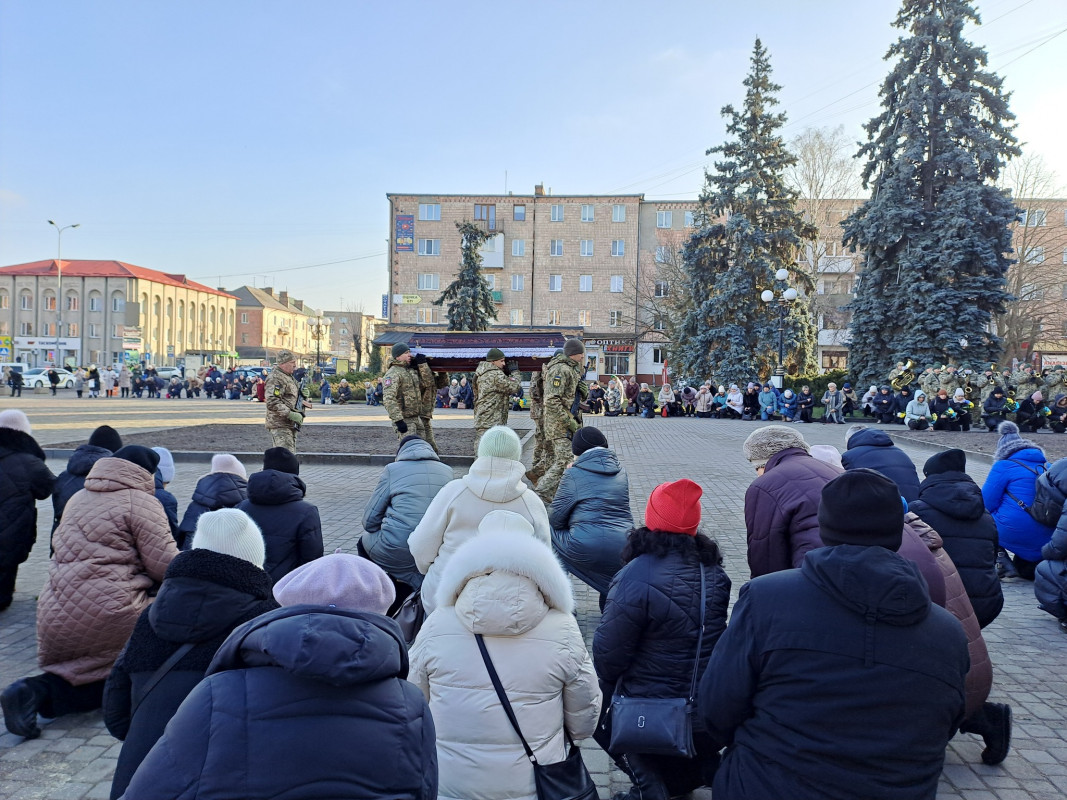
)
(166, 464)
(232, 533)
(763, 443)
(224, 462)
(15, 420)
(500, 441)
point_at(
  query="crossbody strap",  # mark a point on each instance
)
(700, 636)
(503, 697)
(161, 673)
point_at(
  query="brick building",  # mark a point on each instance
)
(351, 334)
(269, 322)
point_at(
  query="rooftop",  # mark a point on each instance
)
(78, 268)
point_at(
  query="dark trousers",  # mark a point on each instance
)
(7, 584)
(805, 415)
(403, 590)
(56, 697)
(1024, 567)
(54, 387)
(918, 424)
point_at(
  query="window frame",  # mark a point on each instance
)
(585, 281)
(665, 216)
(520, 246)
(434, 247)
(615, 318)
(618, 212)
(556, 214)
(435, 208)
(585, 248)
(591, 215)
(557, 281)
(619, 280)
(518, 283)
(435, 282)
(517, 215)
(555, 248)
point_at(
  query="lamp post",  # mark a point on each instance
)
(59, 282)
(788, 295)
(319, 330)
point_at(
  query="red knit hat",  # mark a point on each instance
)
(674, 507)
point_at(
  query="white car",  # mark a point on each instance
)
(34, 378)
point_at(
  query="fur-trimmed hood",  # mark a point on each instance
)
(17, 441)
(503, 584)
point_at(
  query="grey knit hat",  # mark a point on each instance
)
(1011, 442)
(763, 443)
(573, 347)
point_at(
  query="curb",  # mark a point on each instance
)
(349, 459)
(937, 448)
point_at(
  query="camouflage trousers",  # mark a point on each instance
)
(557, 456)
(540, 453)
(283, 437)
(414, 428)
(426, 424)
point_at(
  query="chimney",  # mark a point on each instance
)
(269, 290)
(539, 190)
(283, 298)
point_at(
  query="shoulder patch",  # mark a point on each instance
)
(557, 382)
(387, 382)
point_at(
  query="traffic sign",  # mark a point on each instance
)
(410, 299)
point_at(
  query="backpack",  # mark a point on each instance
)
(1045, 510)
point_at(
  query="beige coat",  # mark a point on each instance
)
(112, 546)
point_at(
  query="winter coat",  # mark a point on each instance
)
(883, 402)
(456, 511)
(302, 702)
(404, 492)
(788, 404)
(900, 403)
(590, 517)
(514, 594)
(853, 627)
(646, 400)
(768, 402)
(995, 406)
(204, 596)
(916, 411)
(647, 637)
(292, 532)
(1050, 584)
(1017, 530)
(703, 401)
(213, 491)
(72, 479)
(632, 390)
(170, 505)
(951, 504)
(805, 400)
(112, 547)
(874, 449)
(124, 378)
(466, 394)
(24, 479)
(782, 510)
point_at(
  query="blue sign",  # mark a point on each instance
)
(385, 306)
(405, 233)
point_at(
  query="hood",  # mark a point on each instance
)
(562, 359)
(872, 581)
(271, 487)
(954, 494)
(1032, 455)
(205, 593)
(504, 584)
(1057, 475)
(417, 450)
(82, 459)
(599, 460)
(319, 643)
(484, 367)
(220, 490)
(869, 438)
(498, 480)
(13, 441)
(114, 474)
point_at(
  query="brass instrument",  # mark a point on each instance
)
(905, 378)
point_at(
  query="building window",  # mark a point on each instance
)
(26, 301)
(344, 332)
(659, 324)
(587, 212)
(663, 253)
(583, 318)
(72, 329)
(49, 302)
(516, 316)
(72, 303)
(585, 283)
(616, 364)
(430, 212)
(518, 213)
(94, 330)
(690, 219)
(117, 303)
(491, 281)
(614, 319)
(94, 303)
(1031, 291)
(489, 246)
(5, 301)
(585, 247)
(428, 316)
(555, 283)
(486, 214)
(618, 247)
(429, 247)
(663, 288)
(1064, 259)
(518, 247)
(118, 331)
(430, 281)
(557, 213)
(244, 317)
(1037, 218)
(1035, 255)
(244, 338)
(556, 247)
(616, 283)
(659, 354)
(664, 219)
(518, 282)
(618, 213)
(25, 329)
(553, 317)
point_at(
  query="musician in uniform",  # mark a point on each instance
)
(282, 395)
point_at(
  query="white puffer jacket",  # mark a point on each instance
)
(456, 511)
(510, 589)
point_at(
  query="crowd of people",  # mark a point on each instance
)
(232, 657)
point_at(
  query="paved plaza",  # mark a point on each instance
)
(75, 756)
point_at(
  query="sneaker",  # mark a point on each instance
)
(1005, 569)
(19, 701)
(998, 739)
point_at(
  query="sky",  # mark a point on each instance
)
(254, 142)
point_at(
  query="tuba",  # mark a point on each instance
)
(905, 378)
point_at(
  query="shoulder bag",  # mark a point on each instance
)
(564, 780)
(410, 616)
(161, 673)
(654, 725)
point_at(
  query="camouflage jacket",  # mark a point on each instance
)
(561, 386)
(280, 393)
(402, 395)
(537, 393)
(492, 395)
(950, 382)
(429, 383)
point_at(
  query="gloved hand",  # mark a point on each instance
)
(419, 358)
(583, 390)
(572, 427)
(401, 426)
(296, 416)
(511, 367)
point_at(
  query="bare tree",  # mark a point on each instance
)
(662, 302)
(356, 332)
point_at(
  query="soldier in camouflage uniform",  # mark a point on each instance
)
(561, 385)
(930, 381)
(494, 384)
(429, 383)
(402, 396)
(281, 394)
(950, 380)
(537, 416)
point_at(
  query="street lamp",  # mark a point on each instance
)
(59, 282)
(789, 294)
(318, 332)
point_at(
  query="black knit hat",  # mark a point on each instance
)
(586, 438)
(282, 460)
(399, 349)
(144, 457)
(861, 507)
(107, 437)
(953, 460)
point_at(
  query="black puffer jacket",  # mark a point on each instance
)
(170, 505)
(204, 596)
(951, 504)
(214, 491)
(873, 449)
(24, 479)
(303, 702)
(291, 528)
(72, 479)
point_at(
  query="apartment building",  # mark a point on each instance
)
(270, 321)
(351, 334)
(107, 312)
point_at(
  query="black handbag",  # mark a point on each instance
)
(653, 725)
(410, 616)
(565, 780)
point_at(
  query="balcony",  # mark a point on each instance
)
(498, 297)
(490, 225)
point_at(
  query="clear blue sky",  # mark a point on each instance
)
(242, 139)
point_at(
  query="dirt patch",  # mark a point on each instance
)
(1054, 444)
(372, 439)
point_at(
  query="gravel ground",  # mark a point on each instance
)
(978, 441)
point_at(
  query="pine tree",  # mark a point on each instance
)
(936, 230)
(730, 333)
(470, 300)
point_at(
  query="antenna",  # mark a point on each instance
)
(505, 181)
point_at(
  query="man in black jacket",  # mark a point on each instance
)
(869, 448)
(839, 679)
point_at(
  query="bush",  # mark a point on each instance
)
(817, 383)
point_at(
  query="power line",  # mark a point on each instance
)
(1032, 49)
(265, 270)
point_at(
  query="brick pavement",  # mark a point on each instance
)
(75, 756)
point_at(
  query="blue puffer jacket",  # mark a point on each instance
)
(873, 449)
(214, 491)
(768, 402)
(590, 517)
(292, 532)
(302, 702)
(170, 505)
(404, 492)
(1050, 583)
(1019, 532)
(72, 479)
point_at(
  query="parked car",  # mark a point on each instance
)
(166, 373)
(33, 378)
(252, 372)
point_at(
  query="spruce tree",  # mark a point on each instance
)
(470, 300)
(936, 231)
(749, 229)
